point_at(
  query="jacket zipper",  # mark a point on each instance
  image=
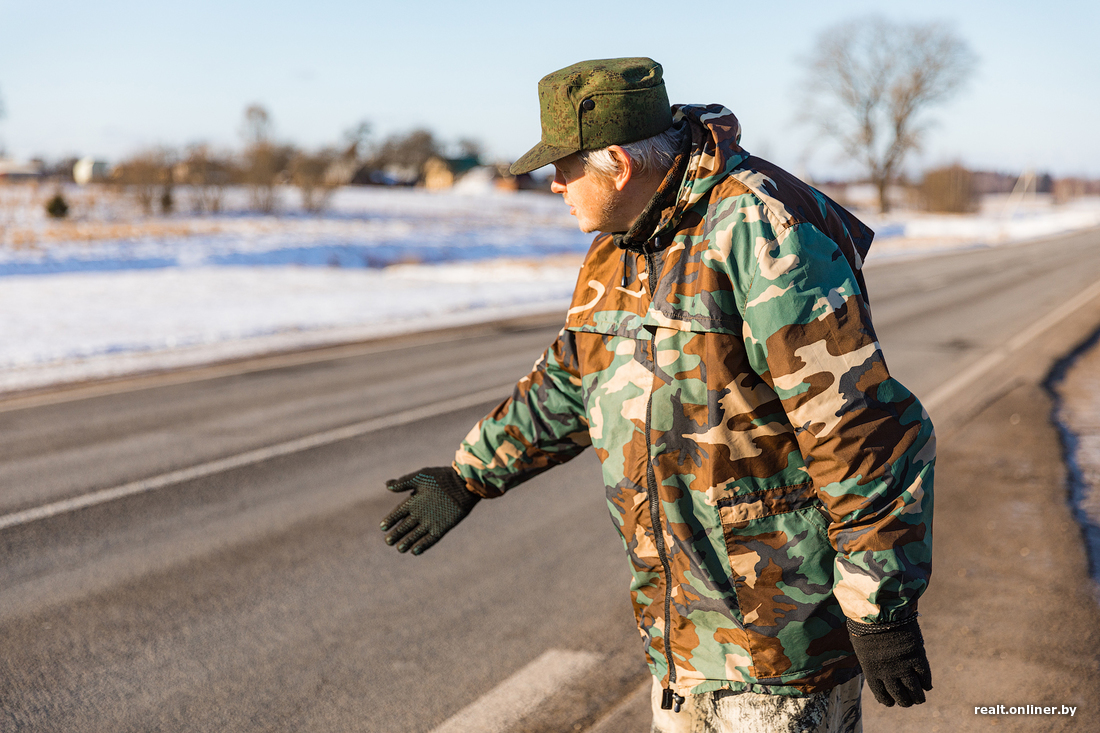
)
(651, 274)
(669, 699)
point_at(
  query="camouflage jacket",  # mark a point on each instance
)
(724, 368)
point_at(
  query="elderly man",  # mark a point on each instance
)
(772, 483)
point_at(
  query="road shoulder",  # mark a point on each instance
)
(1009, 618)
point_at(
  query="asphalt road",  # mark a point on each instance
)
(261, 598)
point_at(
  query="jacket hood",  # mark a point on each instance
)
(715, 150)
(711, 151)
(717, 155)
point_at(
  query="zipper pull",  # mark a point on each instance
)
(671, 701)
(625, 282)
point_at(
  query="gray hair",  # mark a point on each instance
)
(655, 153)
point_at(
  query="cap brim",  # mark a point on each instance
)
(538, 156)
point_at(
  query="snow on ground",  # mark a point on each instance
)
(82, 302)
(109, 292)
(1001, 220)
(75, 326)
(363, 227)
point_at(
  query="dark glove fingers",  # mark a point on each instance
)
(912, 686)
(405, 526)
(397, 514)
(898, 691)
(925, 674)
(424, 544)
(411, 538)
(879, 691)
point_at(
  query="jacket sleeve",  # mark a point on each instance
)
(868, 444)
(541, 425)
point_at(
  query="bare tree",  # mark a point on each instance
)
(870, 80)
(257, 124)
(147, 176)
(264, 160)
(317, 175)
(357, 141)
(207, 175)
(313, 174)
(404, 156)
(355, 150)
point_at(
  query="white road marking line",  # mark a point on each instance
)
(949, 389)
(247, 458)
(505, 704)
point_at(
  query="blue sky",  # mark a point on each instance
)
(110, 77)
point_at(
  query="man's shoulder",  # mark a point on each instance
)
(785, 200)
(782, 201)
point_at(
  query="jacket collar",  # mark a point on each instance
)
(711, 151)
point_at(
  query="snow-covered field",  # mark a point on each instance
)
(109, 292)
(1001, 220)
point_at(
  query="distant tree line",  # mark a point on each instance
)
(264, 163)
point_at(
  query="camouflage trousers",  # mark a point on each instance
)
(833, 711)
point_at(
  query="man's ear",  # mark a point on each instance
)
(624, 164)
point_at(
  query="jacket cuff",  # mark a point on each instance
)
(855, 628)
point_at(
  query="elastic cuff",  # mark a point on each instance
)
(855, 628)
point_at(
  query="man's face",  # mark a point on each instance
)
(592, 199)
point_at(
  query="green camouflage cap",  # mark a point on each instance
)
(593, 104)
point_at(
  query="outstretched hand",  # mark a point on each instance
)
(438, 502)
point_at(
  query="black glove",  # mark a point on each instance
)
(893, 660)
(439, 501)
